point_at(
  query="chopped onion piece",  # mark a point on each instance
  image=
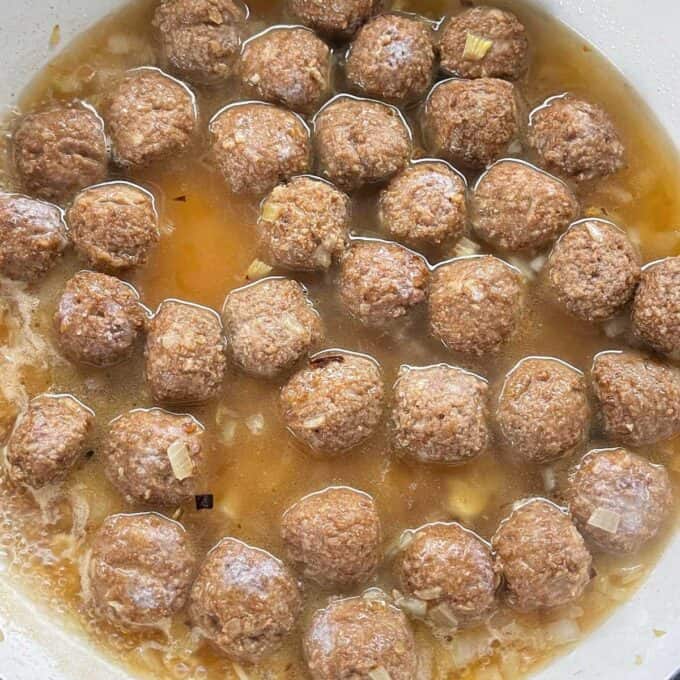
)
(538, 262)
(466, 246)
(228, 432)
(314, 423)
(258, 270)
(476, 47)
(180, 460)
(615, 327)
(405, 539)
(270, 212)
(563, 632)
(604, 519)
(255, 423)
(443, 617)
(595, 232)
(627, 575)
(412, 605)
(549, 478)
(379, 674)
(240, 673)
(429, 593)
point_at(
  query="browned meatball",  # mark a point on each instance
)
(440, 414)
(114, 225)
(270, 325)
(244, 600)
(258, 145)
(48, 439)
(484, 42)
(200, 39)
(60, 151)
(99, 319)
(576, 139)
(185, 357)
(542, 556)
(358, 638)
(305, 224)
(333, 536)
(656, 309)
(338, 19)
(155, 457)
(392, 58)
(139, 570)
(476, 304)
(335, 403)
(639, 397)
(150, 117)
(425, 204)
(360, 142)
(518, 207)
(593, 270)
(288, 65)
(381, 281)
(472, 123)
(619, 500)
(32, 237)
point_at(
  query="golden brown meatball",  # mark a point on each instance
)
(338, 19)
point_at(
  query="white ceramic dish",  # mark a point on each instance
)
(641, 39)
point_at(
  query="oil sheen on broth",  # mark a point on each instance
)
(258, 469)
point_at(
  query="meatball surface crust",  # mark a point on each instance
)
(200, 40)
(507, 56)
(638, 493)
(656, 309)
(475, 304)
(185, 353)
(48, 439)
(150, 117)
(472, 123)
(392, 57)
(518, 207)
(639, 397)
(593, 270)
(137, 456)
(305, 224)
(333, 536)
(99, 319)
(270, 325)
(542, 556)
(425, 204)
(440, 414)
(338, 19)
(336, 402)
(258, 145)
(381, 281)
(244, 600)
(139, 570)
(576, 139)
(288, 65)
(360, 141)
(114, 225)
(32, 237)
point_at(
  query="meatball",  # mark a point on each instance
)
(185, 354)
(258, 145)
(440, 414)
(618, 499)
(99, 319)
(656, 309)
(575, 139)
(48, 439)
(289, 66)
(244, 600)
(200, 40)
(472, 122)
(425, 204)
(358, 638)
(336, 402)
(392, 57)
(139, 570)
(360, 142)
(32, 237)
(639, 397)
(450, 570)
(593, 270)
(155, 457)
(113, 226)
(484, 42)
(543, 410)
(304, 224)
(150, 117)
(338, 19)
(476, 304)
(333, 536)
(270, 325)
(381, 281)
(518, 207)
(542, 556)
